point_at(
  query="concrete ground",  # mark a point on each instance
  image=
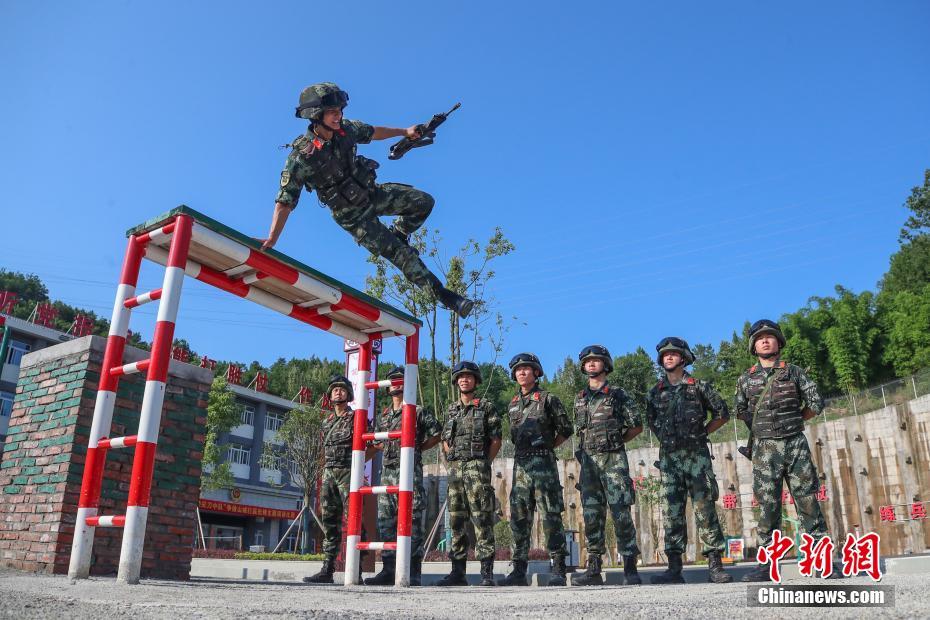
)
(25, 595)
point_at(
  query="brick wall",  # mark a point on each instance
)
(43, 462)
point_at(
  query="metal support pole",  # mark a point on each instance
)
(81, 548)
(203, 541)
(408, 434)
(884, 402)
(140, 487)
(354, 519)
(914, 385)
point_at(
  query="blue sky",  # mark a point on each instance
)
(664, 169)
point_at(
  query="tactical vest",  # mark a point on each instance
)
(779, 415)
(600, 429)
(341, 178)
(337, 440)
(390, 421)
(683, 426)
(530, 431)
(466, 431)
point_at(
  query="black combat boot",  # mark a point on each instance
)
(557, 571)
(386, 576)
(630, 572)
(837, 572)
(517, 576)
(487, 572)
(326, 573)
(716, 574)
(672, 574)
(450, 299)
(456, 577)
(416, 570)
(592, 575)
(462, 306)
(759, 573)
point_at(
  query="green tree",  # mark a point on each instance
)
(905, 317)
(636, 373)
(222, 415)
(909, 267)
(918, 224)
(300, 453)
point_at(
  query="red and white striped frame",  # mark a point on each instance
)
(359, 444)
(408, 434)
(130, 561)
(89, 500)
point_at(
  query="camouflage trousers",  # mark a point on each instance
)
(471, 497)
(412, 207)
(536, 483)
(775, 461)
(688, 472)
(387, 510)
(605, 481)
(334, 495)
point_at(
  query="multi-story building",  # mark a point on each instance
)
(264, 501)
(22, 337)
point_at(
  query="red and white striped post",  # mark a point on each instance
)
(359, 444)
(408, 433)
(130, 561)
(81, 548)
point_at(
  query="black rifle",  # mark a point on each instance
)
(427, 133)
(747, 449)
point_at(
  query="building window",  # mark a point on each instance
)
(259, 537)
(6, 404)
(273, 421)
(238, 455)
(17, 351)
(248, 414)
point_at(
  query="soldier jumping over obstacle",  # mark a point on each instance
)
(324, 159)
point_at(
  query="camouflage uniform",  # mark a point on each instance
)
(677, 414)
(337, 469)
(779, 448)
(602, 417)
(536, 419)
(468, 432)
(345, 182)
(427, 427)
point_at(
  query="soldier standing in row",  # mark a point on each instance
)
(605, 418)
(337, 429)
(774, 399)
(677, 408)
(538, 425)
(471, 439)
(324, 159)
(428, 435)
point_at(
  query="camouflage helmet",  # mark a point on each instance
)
(466, 368)
(673, 343)
(340, 381)
(765, 326)
(525, 359)
(597, 351)
(318, 97)
(396, 373)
